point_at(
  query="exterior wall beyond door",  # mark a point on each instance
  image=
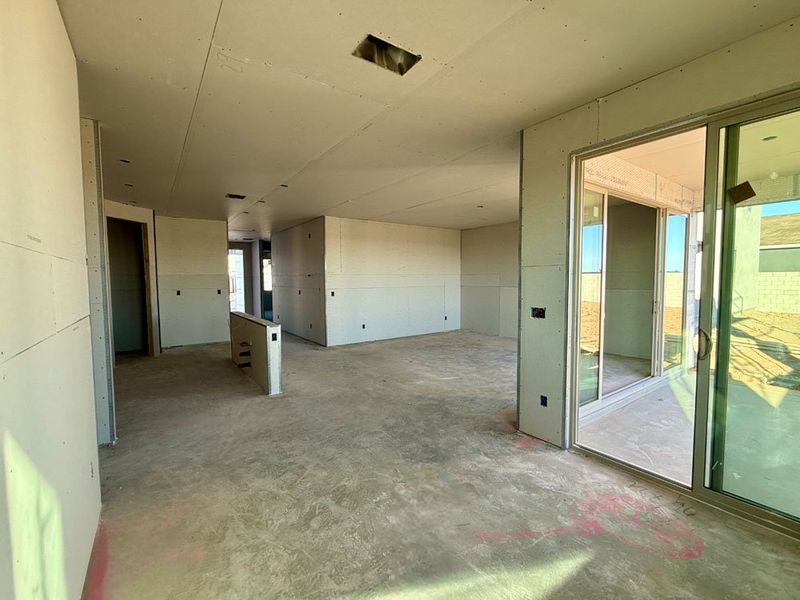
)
(630, 280)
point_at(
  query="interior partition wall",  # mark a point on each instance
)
(746, 347)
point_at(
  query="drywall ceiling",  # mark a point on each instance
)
(206, 97)
(679, 158)
(770, 149)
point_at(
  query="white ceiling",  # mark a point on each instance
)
(206, 97)
(761, 158)
(679, 158)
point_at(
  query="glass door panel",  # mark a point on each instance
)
(675, 257)
(756, 412)
(591, 295)
(628, 257)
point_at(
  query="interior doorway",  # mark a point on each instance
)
(129, 287)
(639, 239)
(237, 280)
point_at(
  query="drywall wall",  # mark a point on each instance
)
(49, 480)
(298, 276)
(384, 280)
(756, 66)
(489, 279)
(630, 279)
(192, 260)
(128, 289)
(146, 217)
(99, 293)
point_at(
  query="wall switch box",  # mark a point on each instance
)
(537, 312)
(543, 400)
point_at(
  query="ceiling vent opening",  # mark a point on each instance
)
(386, 55)
(235, 196)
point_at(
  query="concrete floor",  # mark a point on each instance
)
(653, 431)
(390, 470)
(622, 371)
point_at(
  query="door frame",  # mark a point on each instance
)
(606, 401)
(603, 253)
(716, 124)
(144, 235)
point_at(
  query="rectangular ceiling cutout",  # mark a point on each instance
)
(235, 196)
(386, 55)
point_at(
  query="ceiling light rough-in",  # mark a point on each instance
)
(235, 196)
(386, 55)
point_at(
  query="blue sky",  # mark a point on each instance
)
(676, 237)
(780, 208)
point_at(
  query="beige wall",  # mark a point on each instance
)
(384, 280)
(298, 280)
(756, 66)
(489, 279)
(192, 258)
(49, 482)
(341, 281)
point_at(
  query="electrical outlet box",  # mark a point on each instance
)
(537, 312)
(543, 400)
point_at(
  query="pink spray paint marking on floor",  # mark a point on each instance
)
(94, 586)
(528, 442)
(507, 420)
(634, 522)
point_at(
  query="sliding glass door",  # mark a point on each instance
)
(755, 447)
(719, 414)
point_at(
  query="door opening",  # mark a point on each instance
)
(237, 292)
(128, 282)
(639, 239)
(266, 278)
